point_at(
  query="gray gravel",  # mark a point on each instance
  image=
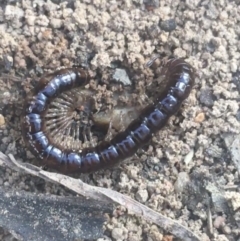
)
(38, 36)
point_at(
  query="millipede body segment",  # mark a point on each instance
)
(180, 80)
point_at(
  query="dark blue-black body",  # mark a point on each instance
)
(180, 80)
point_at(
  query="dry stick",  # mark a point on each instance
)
(103, 194)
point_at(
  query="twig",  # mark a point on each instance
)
(103, 194)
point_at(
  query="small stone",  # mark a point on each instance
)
(236, 79)
(117, 233)
(226, 229)
(151, 4)
(206, 97)
(210, 46)
(200, 117)
(2, 120)
(168, 25)
(214, 151)
(188, 158)
(142, 195)
(56, 23)
(234, 198)
(13, 12)
(121, 75)
(219, 222)
(238, 115)
(180, 184)
(212, 11)
(8, 62)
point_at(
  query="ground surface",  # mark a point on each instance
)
(194, 162)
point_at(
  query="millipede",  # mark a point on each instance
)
(43, 120)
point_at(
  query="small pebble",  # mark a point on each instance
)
(180, 184)
(211, 46)
(226, 229)
(117, 233)
(200, 117)
(206, 97)
(151, 4)
(168, 25)
(214, 151)
(121, 75)
(238, 115)
(8, 62)
(236, 79)
(2, 120)
(142, 195)
(188, 158)
(219, 222)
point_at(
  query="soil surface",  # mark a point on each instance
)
(190, 170)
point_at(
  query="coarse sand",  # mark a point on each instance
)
(190, 165)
